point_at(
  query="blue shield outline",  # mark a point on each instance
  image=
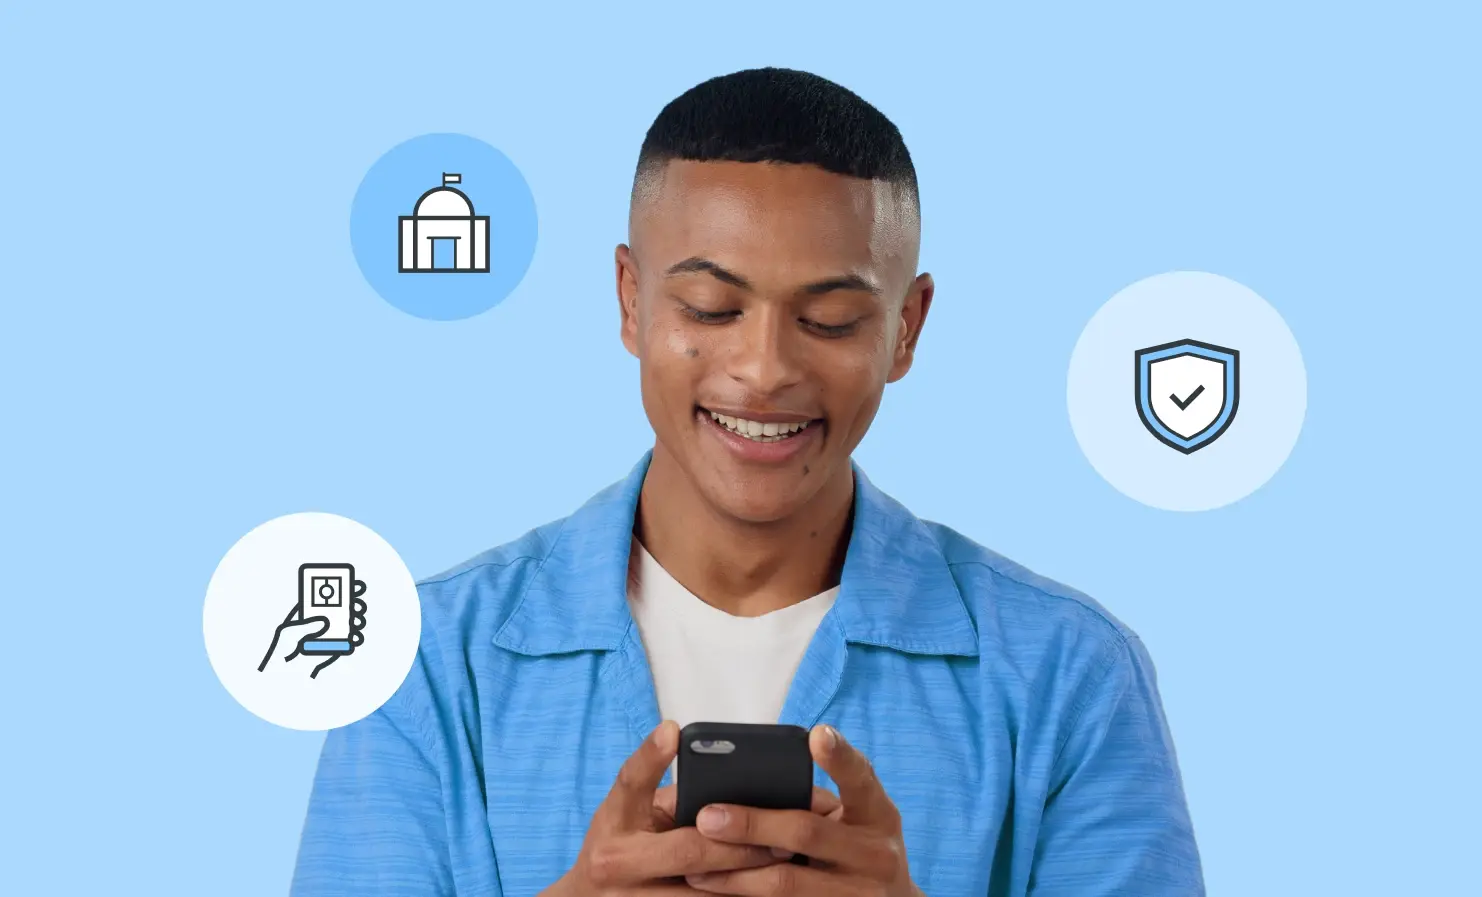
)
(1143, 360)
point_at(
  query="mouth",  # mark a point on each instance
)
(775, 440)
(759, 431)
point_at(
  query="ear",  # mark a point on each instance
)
(627, 293)
(913, 317)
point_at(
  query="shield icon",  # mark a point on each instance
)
(1187, 392)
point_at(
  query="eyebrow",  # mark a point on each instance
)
(700, 265)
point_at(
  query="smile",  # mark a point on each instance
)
(760, 432)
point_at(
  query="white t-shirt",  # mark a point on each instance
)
(711, 666)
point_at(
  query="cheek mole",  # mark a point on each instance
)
(692, 352)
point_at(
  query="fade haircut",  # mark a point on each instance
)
(779, 115)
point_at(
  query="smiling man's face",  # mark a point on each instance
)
(768, 306)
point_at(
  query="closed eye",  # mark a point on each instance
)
(707, 317)
(831, 331)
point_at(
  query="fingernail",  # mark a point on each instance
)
(781, 853)
(830, 737)
(711, 819)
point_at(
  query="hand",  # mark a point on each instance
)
(667, 797)
(632, 847)
(854, 850)
(289, 637)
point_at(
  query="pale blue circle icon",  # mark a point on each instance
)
(443, 226)
(1187, 391)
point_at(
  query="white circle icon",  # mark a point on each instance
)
(1187, 391)
(312, 621)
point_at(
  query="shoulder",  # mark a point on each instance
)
(994, 584)
(1028, 621)
(462, 610)
(478, 594)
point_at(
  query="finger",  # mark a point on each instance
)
(825, 801)
(646, 856)
(296, 634)
(782, 879)
(665, 801)
(789, 832)
(666, 798)
(630, 802)
(864, 798)
(357, 606)
(657, 889)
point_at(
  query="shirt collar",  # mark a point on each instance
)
(896, 590)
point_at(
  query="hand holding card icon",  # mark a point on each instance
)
(328, 620)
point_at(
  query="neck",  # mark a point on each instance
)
(746, 569)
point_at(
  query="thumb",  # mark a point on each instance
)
(632, 797)
(292, 635)
(860, 791)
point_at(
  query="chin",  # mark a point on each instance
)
(754, 506)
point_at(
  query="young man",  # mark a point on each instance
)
(977, 728)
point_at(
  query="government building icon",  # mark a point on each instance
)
(443, 235)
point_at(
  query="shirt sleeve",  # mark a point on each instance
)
(376, 822)
(1116, 822)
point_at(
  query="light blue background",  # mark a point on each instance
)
(391, 188)
(1102, 397)
(161, 364)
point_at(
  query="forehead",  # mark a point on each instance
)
(780, 215)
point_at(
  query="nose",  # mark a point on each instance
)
(767, 356)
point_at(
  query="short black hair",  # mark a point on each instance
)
(779, 115)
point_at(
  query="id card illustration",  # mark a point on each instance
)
(326, 590)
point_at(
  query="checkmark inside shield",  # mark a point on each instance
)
(1183, 404)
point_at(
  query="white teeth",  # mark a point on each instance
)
(769, 432)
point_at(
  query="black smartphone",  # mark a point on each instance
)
(749, 765)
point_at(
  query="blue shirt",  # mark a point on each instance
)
(1014, 722)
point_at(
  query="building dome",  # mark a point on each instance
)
(443, 201)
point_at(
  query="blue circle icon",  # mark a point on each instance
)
(443, 226)
(1187, 391)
